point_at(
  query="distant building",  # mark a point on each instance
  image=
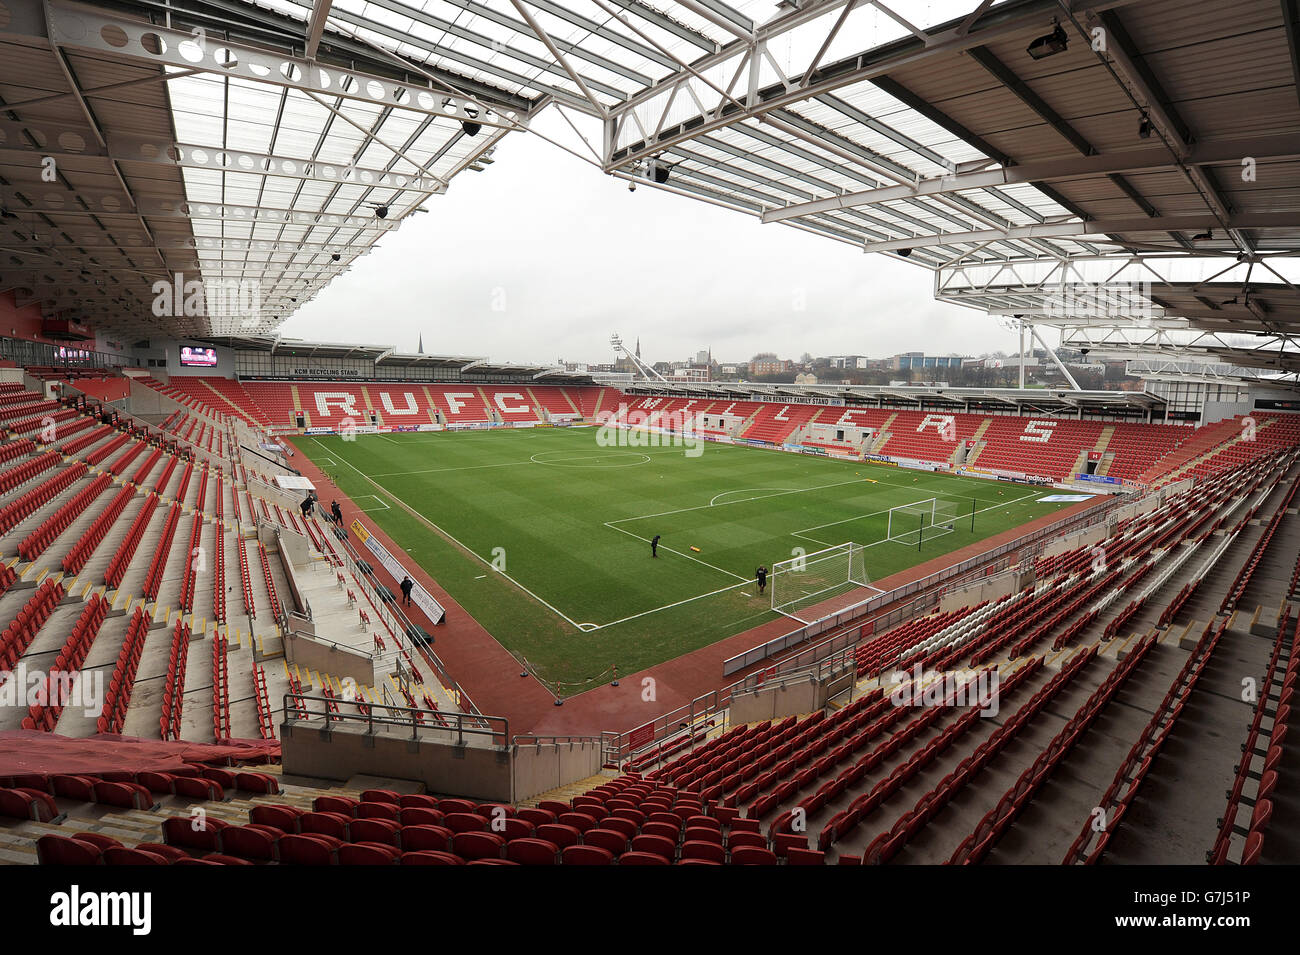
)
(850, 361)
(689, 373)
(805, 379)
(770, 366)
(919, 360)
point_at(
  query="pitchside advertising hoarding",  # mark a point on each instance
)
(419, 596)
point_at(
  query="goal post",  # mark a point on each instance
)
(915, 523)
(809, 579)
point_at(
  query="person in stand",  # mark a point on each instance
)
(407, 586)
(337, 512)
(654, 546)
(760, 575)
(305, 506)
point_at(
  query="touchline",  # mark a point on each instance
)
(76, 908)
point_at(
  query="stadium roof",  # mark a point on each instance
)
(259, 142)
(1051, 400)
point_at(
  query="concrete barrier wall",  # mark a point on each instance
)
(982, 590)
(306, 651)
(544, 766)
(1084, 538)
(777, 702)
(347, 750)
(1142, 506)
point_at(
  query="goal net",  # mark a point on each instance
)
(806, 580)
(916, 523)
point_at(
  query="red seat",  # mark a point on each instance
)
(455, 805)
(563, 836)
(661, 829)
(61, 850)
(746, 839)
(625, 826)
(156, 782)
(419, 838)
(797, 856)
(477, 845)
(419, 816)
(222, 777)
(700, 834)
(27, 804)
(192, 833)
(465, 822)
(1254, 848)
(123, 795)
(642, 858)
(339, 804)
(97, 839)
(366, 853)
(170, 853)
(615, 842)
(284, 818)
(537, 817)
(263, 783)
(197, 787)
(380, 795)
(749, 855)
(578, 820)
(120, 855)
(381, 831)
(214, 858)
(304, 850)
(512, 828)
(529, 851)
(378, 810)
(658, 845)
(247, 842)
(428, 857)
(586, 855)
(327, 823)
(417, 801)
(711, 851)
(73, 787)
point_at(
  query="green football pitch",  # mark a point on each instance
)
(542, 535)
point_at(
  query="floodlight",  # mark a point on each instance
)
(1049, 44)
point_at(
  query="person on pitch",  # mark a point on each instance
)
(654, 546)
(760, 575)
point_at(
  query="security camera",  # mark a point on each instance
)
(1084, 351)
(631, 187)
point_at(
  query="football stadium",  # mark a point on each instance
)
(273, 599)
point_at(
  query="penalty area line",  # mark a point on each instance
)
(705, 563)
(646, 613)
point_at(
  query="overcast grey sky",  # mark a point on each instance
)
(541, 257)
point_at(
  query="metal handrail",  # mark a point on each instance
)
(495, 728)
(535, 739)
